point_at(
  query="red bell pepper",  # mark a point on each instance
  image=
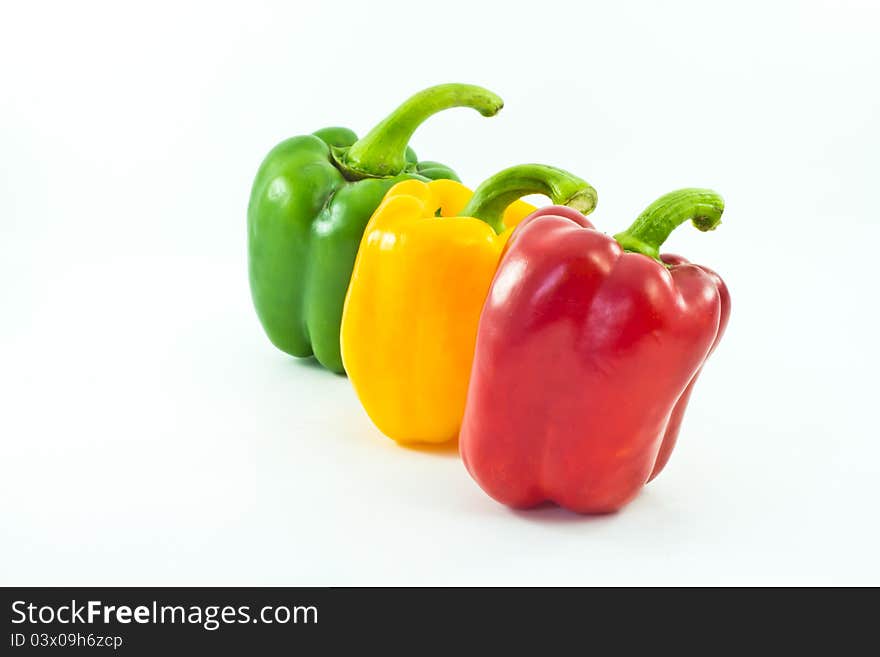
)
(587, 350)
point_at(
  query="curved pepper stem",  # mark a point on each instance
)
(646, 235)
(382, 151)
(492, 197)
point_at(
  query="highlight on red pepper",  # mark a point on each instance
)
(587, 350)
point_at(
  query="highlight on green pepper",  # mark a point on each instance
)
(310, 202)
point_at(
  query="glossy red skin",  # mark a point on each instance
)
(673, 427)
(584, 362)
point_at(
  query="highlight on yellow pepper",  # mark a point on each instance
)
(422, 273)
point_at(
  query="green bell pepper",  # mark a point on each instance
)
(309, 205)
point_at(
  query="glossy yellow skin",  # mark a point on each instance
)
(413, 305)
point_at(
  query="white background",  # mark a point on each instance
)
(150, 434)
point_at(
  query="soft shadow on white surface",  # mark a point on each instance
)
(552, 514)
(447, 450)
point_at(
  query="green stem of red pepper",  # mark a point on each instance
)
(646, 235)
(382, 151)
(496, 193)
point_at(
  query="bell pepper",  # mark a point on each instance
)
(587, 350)
(420, 279)
(310, 201)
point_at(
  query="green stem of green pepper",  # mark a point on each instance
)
(382, 151)
(496, 193)
(646, 235)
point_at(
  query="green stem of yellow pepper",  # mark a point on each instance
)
(492, 197)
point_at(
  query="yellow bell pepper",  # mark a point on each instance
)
(421, 276)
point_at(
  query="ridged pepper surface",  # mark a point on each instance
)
(422, 273)
(309, 204)
(587, 351)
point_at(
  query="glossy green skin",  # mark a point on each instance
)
(305, 222)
